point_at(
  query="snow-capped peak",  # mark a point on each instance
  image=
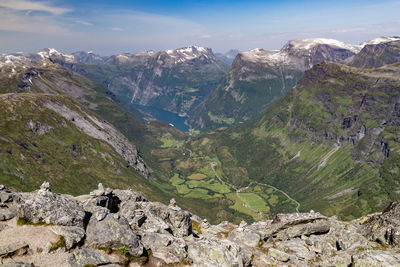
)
(307, 44)
(380, 40)
(51, 52)
(13, 60)
(188, 53)
(261, 55)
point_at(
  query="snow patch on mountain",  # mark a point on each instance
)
(307, 44)
(380, 40)
(259, 55)
(53, 53)
(188, 53)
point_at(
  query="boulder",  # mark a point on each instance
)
(285, 226)
(165, 246)
(104, 198)
(87, 257)
(384, 227)
(208, 252)
(73, 235)
(245, 237)
(133, 212)
(278, 255)
(8, 203)
(113, 232)
(57, 209)
(126, 195)
(13, 248)
(375, 258)
(161, 218)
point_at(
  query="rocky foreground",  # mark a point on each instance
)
(113, 227)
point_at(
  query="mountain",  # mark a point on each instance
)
(380, 40)
(88, 57)
(113, 227)
(53, 137)
(174, 80)
(159, 145)
(330, 144)
(376, 54)
(259, 77)
(228, 57)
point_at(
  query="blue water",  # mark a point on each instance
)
(165, 116)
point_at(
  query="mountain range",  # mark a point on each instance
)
(314, 125)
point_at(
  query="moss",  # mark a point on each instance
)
(59, 244)
(107, 250)
(223, 234)
(21, 222)
(196, 227)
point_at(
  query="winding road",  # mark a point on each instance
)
(238, 190)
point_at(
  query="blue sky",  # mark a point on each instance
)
(109, 27)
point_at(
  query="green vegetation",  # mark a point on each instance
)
(331, 146)
(59, 244)
(220, 119)
(21, 222)
(196, 227)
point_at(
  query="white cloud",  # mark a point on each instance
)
(206, 36)
(11, 21)
(116, 29)
(84, 22)
(26, 5)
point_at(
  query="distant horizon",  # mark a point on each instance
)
(156, 51)
(131, 26)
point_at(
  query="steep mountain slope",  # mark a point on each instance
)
(259, 77)
(331, 144)
(174, 80)
(47, 136)
(160, 145)
(376, 55)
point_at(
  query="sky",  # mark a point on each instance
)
(109, 27)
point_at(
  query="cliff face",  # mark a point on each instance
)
(121, 227)
(377, 55)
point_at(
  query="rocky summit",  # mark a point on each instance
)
(111, 227)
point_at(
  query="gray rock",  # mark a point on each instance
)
(13, 248)
(132, 211)
(45, 187)
(58, 209)
(222, 253)
(165, 246)
(314, 227)
(245, 237)
(384, 227)
(278, 255)
(38, 127)
(8, 212)
(125, 195)
(84, 257)
(376, 258)
(285, 226)
(113, 232)
(297, 249)
(342, 260)
(73, 235)
(173, 218)
(8, 204)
